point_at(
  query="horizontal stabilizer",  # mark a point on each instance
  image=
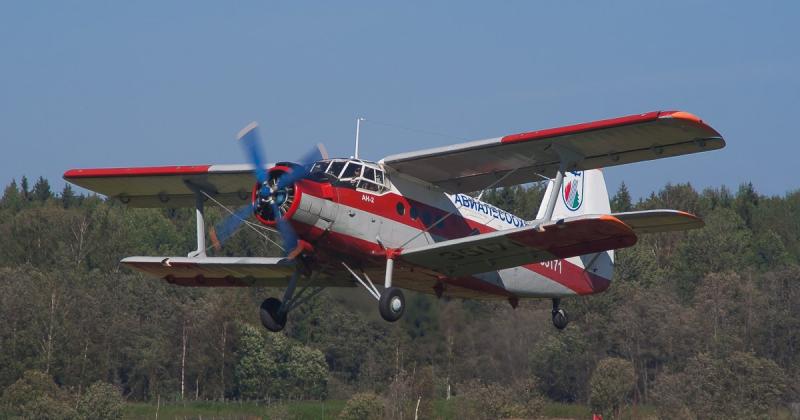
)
(502, 249)
(653, 221)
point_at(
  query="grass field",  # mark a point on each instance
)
(315, 410)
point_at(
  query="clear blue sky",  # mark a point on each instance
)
(87, 84)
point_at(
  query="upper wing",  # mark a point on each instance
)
(230, 271)
(653, 221)
(526, 245)
(525, 157)
(168, 186)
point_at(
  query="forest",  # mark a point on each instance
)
(699, 324)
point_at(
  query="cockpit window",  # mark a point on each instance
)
(336, 168)
(353, 170)
(356, 173)
(369, 174)
(320, 166)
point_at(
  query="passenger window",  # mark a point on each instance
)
(379, 177)
(371, 186)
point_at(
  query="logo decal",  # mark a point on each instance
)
(573, 191)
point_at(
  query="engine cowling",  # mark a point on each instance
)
(287, 199)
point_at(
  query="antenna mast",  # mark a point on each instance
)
(358, 129)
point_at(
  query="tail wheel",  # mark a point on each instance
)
(560, 319)
(392, 304)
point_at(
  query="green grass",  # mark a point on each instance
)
(234, 410)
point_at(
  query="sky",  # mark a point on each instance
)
(117, 84)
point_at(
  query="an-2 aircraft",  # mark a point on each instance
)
(410, 219)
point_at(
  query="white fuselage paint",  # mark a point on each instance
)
(361, 223)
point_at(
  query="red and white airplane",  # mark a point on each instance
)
(410, 218)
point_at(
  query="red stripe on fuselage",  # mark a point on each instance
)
(454, 226)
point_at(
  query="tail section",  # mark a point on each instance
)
(584, 192)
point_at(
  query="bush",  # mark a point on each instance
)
(100, 401)
(612, 381)
(478, 400)
(740, 385)
(363, 406)
(36, 396)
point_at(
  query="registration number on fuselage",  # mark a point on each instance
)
(555, 265)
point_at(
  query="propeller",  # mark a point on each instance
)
(273, 194)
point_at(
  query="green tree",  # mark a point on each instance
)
(100, 401)
(25, 188)
(12, 199)
(41, 190)
(36, 396)
(68, 197)
(725, 237)
(480, 400)
(255, 367)
(611, 384)
(622, 199)
(740, 385)
(362, 406)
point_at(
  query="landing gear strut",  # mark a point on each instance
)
(274, 312)
(560, 319)
(391, 303)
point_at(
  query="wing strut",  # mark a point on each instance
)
(567, 159)
(201, 221)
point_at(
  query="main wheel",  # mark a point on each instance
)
(392, 304)
(270, 317)
(560, 319)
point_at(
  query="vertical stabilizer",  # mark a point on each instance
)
(583, 192)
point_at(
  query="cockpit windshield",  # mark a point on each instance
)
(354, 172)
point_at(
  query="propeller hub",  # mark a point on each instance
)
(272, 201)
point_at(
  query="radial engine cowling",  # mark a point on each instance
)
(287, 198)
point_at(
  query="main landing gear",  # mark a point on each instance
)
(391, 303)
(273, 311)
(560, 318)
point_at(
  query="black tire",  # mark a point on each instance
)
(392, 304)
(560, 319)
(269, 315)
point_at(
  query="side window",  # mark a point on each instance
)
(369, 173)
(379, 177)
(371, 186)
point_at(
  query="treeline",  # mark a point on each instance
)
(706, 323)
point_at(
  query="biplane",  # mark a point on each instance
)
(416, 220)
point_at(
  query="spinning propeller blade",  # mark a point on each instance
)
(250, 142)
(228, 226)
(301, 172)
(252, 149)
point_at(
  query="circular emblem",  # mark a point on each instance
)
(572, 192)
